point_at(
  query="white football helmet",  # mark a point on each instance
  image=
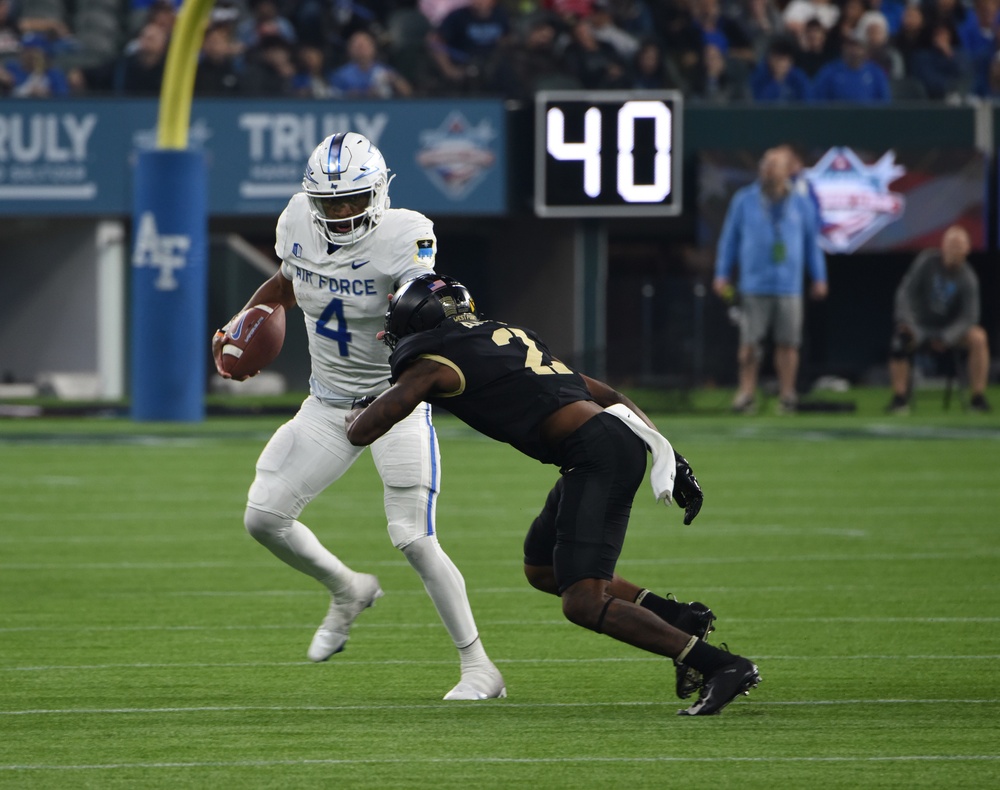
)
(347, 182)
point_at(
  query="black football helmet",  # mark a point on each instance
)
(423, 303)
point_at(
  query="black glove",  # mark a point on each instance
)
(687, 492)
(361, 403)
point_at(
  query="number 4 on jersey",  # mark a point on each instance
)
(335, 310)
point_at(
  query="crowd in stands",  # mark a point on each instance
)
(712, 50)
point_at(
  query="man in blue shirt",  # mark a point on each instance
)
(771, 235)
(776, 77)
(852, 77)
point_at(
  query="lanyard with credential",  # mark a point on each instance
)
(776, 209)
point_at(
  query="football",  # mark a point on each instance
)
(253, 340)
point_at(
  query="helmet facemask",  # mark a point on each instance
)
(347, 183)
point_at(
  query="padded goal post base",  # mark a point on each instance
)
(169, 336)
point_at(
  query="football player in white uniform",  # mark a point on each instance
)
(343, 252)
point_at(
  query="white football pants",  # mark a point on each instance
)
(309, 453)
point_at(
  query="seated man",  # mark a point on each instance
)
(937, 308)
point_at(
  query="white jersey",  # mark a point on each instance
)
(344, 293)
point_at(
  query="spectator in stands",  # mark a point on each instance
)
(533, 62)
(228, 14)
(718, 79)
(265, 21)
(912, 35)
(219, 65)
(707, 26)
(595, 64)
(312, 78)
(156, 12)
(874, 31)
(892, 10)
(140, 71)
(328, 24)
(468, 42)
(605, 29)
(51, 22)
(852, 77)
(992, 90)
(942, 67)
(759, 20)
(654, 69)
(569, 10)
(777, 78)
(437, 10)
(846, 26)
(721, 30)
(363, 76)
(10, 29)
(937, 308)
(951, 13)
(978, 38)
(31, 75)
(812, 54)
(798, 13)
(635, 17)
(670, 19)
(269, 68)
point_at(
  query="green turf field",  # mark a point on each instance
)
(147, 641)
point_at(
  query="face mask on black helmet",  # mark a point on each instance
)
(424, 303)
(347, 183)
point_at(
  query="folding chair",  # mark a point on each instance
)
(950, 365)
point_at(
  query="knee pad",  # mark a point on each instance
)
(263, 525)
(410, 514)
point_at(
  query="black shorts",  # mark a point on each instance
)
(581, 528)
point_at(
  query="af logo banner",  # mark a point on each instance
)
(165, 252)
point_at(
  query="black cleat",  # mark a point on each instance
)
(980, 404)
(723, 686)
(697, 620)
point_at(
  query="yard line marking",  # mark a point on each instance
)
(511, 760)
(744, 559)
(526, 589)
(439, 706)
(532, 623)
(424, 662)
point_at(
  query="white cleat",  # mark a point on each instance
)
(331, 636)
(481, 684)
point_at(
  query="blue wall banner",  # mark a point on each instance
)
(76, 157)
(169, 287)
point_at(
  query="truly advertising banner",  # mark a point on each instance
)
(869, 201)
(77, 158)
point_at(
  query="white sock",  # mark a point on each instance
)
(474, 657)
(446, 587)
(295, 544)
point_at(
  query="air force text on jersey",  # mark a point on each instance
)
(336, 285)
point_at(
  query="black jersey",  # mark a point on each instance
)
(510, 381)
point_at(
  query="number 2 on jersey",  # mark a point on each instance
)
(335, 310)
(533, 360)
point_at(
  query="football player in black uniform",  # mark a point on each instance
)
(502, 381)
